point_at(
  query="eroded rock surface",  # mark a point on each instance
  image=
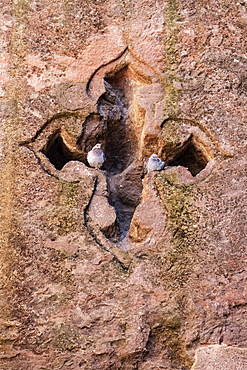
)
(220, 357)
(116, 268)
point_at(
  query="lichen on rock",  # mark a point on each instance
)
(116, 268)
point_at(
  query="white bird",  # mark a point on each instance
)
(154, 163)
(96, 157)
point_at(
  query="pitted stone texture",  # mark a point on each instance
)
(71, 298)
(220, 358)
(149, 220)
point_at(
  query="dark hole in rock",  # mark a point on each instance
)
(121, 145)
(190, 156)
(113, 106)
(57, 152)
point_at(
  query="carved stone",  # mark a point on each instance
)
(115, 268)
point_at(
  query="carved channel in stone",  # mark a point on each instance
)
(123, 170)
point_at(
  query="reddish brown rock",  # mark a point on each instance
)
(118, 269)
(149, 220)
(220, 357)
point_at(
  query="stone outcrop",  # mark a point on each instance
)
(116, 268)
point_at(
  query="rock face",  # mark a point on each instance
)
(115, 268)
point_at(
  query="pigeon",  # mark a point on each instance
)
(154, 163)
(96, 157)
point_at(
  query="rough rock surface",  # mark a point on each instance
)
(220, 357)
(116, 268)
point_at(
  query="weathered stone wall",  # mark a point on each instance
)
(116, 268)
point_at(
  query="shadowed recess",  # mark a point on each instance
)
(191, 156)
(121, 146)
(56, 153)
(121, 136)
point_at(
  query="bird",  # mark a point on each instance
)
(96, 157)
(154, 163)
